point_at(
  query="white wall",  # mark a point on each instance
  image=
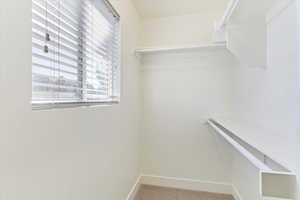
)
(158, 8)
(181, 91)
(268, 99)
(195, 29)
(80, 153)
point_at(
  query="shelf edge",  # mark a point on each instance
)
(180, 48)
(256, 162)
(228, 13)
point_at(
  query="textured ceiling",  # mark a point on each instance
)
(165, 8)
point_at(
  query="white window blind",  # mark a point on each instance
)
(75, 52)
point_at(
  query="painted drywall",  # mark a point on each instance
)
(80, 153)
(194, 29)
(181, 90)
(268, 99)
(166, 8)
(298, 135)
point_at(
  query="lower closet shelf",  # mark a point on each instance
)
(269, 180)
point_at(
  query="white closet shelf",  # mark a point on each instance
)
(256, 162)
(245, 24)
(211, 46)
(228, 13)
(273, 180)
(247, 9)
(263, 162)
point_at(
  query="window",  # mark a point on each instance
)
(75, 53)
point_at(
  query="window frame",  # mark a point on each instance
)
(75, 104)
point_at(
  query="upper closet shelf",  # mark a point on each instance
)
(212, 46)
(245, 26)
(244, 11)
(227, 15)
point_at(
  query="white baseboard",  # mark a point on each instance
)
(134, 190)
(236, 194)
(188, 184)
(183, 183)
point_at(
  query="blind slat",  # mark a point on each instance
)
(88, 49)
(61, 88)
(61, 10)
(52, 69)
(55, 18)
(100, 76)
(54, 26)
(54, 61)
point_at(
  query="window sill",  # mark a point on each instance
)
(65, 105)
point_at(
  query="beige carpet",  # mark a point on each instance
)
(147, 192)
